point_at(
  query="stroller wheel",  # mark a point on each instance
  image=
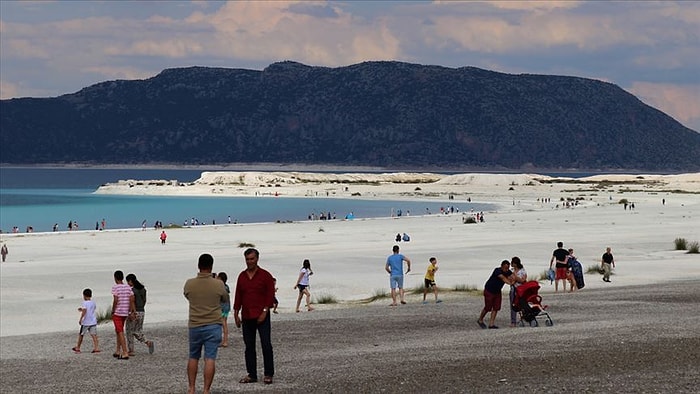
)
(534, 323)
(548, 323)
(521, 323)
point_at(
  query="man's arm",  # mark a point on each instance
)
(114, 302)
(551, 261)
(83, 311)
(408, 263)
(387, 267)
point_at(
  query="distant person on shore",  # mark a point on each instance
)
(519, 277)
(134, 325)
(88, 322)
(607, 262)
(429, 280)
(225, 309)
(560, 255)
(143, 225)
(254, 294)
(492, 293)
(570, 272)
(163, 237)
(122, 307)
(55, 227)
(394, 266)
(4, 252)
(303, 285)
(205, 295)
(103, 224)
(275, 302)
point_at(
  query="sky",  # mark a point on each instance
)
(649, 48)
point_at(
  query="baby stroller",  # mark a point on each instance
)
(529, 304)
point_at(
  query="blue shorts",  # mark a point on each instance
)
(396, 281)
(208, 337)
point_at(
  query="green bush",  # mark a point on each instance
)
(325, 298)
(681, 243)
(465, 288)
(623, 201)
(694, 247)
(246, 245)
(104, 316)
(378, 295)
(594, 269)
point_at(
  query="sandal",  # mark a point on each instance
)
(267, 380)
(247, 379)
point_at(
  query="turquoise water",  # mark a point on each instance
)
(41, 198)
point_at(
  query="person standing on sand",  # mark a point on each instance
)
(519, 277)
(88, 322)
(394, 266)
(122, 307)
(560, 255)
(254, 294)
(163, 237)
(134, 326)
(303, 285)
(492, 293)
(606, 262)
(4, 252)
(430, 280)
(205, 295)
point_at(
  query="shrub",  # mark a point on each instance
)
(465, 288)
(694, 247)
(378, 295)
(417, 290)
(681, 243)
(469, 220)
(623, 201)
(594, 269)
(104, 316)
(246, 245)
(325, 298)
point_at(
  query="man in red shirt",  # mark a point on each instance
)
(254, 294)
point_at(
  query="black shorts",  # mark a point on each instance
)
(302, 287)
(429, 283)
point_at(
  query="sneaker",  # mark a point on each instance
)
(151, 347)
(438, 301)
(481, 324)
(425, 302)
(493, 327)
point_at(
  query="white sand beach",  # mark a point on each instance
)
(43, 277)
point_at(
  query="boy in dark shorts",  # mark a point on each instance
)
(430, 280)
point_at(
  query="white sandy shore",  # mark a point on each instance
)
(42, 280)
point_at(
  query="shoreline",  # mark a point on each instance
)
(348, 256)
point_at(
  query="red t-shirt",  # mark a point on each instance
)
(254, 294)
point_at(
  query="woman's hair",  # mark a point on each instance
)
(307, 264)
(222, 276)
(515, 261)
(132, 278)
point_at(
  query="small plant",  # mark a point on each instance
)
(681, 243)
(378, 295)
(104, 316)
(594, 269)
(623, 201)
(321, 230)
(325, 298)
(417, 290)
(246, 245)
(465, 288)
(694, 247)
(469, 220)
(543, 276)
(417, 189)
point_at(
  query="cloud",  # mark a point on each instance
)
(8, 90)
(680, 102)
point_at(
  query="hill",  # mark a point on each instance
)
(387, 114)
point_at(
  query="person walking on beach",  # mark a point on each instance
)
(519, 277)
(254, 294)
(606, 262)
(303, 285)
(163, 237)
(560, 255)
(4, 252)
(225, 309)
(88, 322)
(394, 266)
(205, 295)
(430, 280)
(122, 307)
(134, 326)
(492, 293)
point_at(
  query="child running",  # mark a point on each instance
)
(87, 321)
(430, 281)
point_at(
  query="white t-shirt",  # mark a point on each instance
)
(305, 277)
(90, 318)
(522, 274)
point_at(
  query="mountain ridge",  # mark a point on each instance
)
(384, 114)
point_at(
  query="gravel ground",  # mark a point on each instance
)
(642, 339)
